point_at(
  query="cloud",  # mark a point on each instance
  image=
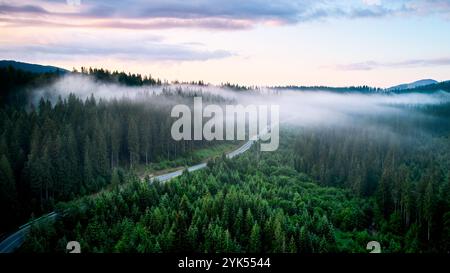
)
(370, 65)
(149, 48)
(305, 108)
(424, 7)
(4, 9)
(204, 14)
(372, 2)
(209, 23)
(232, 14)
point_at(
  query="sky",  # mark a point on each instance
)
(253, 42)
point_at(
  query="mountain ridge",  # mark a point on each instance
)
(413, 85)
(29, 67)
(425, 84)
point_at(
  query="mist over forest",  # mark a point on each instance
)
(225, 135)
(352, 167)
(305, 107)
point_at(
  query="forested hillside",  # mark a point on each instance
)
(257, 203)
(15, 83)
(409, 180)
(379, 174)
(326, 193)
(56, 152)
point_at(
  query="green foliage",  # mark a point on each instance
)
(232, 206)
(8, 192)
(261, 202)
(327, 189)
(129, 79)
(65, 149)
(401, 168)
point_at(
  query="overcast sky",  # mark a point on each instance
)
(255, 42)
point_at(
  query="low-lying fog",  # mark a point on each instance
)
(299, 107)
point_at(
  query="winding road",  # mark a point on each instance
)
(168, 176)
(15, 240)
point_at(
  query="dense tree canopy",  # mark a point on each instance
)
(57, 151)
(382, 177)
(264, 202)
(251, 204)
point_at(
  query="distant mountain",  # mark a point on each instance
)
(413, 84)
(34, 68)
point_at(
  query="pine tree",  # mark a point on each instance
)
(115, 179)
(8, 194)
(88, 176)
(192, 237)
(237, 226)
(228, 243)
(249, 221)
(114, 141)
(429, 207)
(279, 240)
(305, 241)
(255, 239)
(133, 142)
(100, 153)
(292, 248)
(446, 232)
(73, 171)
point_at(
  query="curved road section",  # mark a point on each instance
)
(168, 176)
(15, 240)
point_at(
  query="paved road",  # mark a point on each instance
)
(168, 176)
(16, 239)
